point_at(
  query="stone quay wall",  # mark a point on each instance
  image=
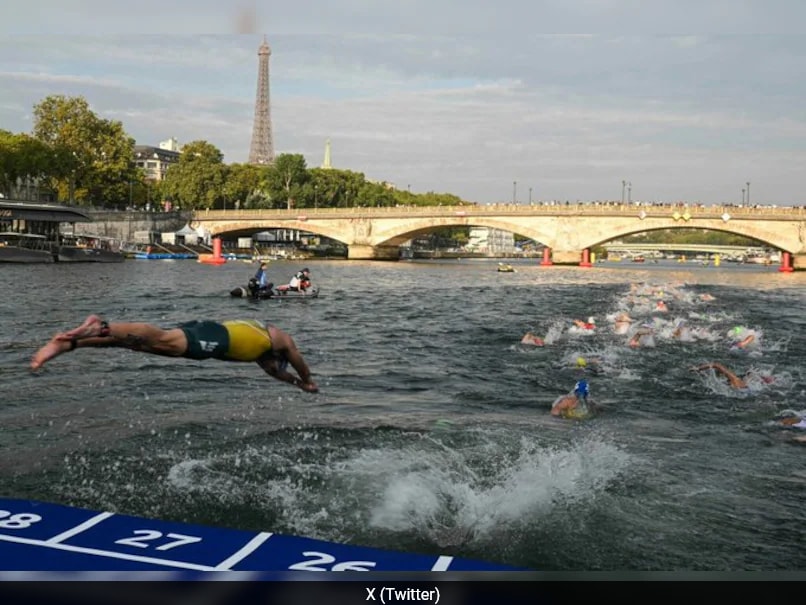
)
(130, 226)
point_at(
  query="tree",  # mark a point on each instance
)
(374, 194)
(92, 156)
(243, 183)
(286, 178)
(22, 158)
(197, 179)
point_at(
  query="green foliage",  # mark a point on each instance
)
(197, 180)
(690, 236)
(242, 184)
(92, 157)
(22, 157)
(286, 180)
(91, 160)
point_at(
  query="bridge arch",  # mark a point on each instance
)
(730, 231)
(769, 236)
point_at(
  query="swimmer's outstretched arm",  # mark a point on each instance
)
(733, 379)
(283, 344)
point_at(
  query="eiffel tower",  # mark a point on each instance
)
(261, 151)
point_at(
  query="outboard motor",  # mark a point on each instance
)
(239, 292)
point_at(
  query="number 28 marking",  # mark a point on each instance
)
(142, 538)
(18, 521)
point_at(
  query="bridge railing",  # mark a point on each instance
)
(646, 211)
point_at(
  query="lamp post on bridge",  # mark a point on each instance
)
(743, 190)
(514, 192)
(530, 196)
(748, 193)
(623, 187)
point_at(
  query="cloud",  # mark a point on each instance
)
(686, 114)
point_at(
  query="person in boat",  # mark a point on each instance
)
(576, 404)
(260, 282)
(232, 340)
(532, 339)
(734, 380)
(300, 282)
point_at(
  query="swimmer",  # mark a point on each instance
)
(793, 422)
(622, 323)
(232, 340)
(735, 381)
(586, 325)
(642, 337)
(576, 404)
(661, 306)
(682, 331)
(532, 339)
(746, 341)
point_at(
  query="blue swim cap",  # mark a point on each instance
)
(581, 388)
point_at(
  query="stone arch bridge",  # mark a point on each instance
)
(568, 231)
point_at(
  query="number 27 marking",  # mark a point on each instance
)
(143, 536)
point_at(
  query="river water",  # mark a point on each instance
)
(431, 431)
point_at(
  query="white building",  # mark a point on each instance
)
(490, 241)
(154, 161)
(170, 144)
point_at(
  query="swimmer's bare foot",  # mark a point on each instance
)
(55, 347)
(92, 326)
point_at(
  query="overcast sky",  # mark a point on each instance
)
(686, 100)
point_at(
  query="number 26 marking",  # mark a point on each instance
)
(143, 536)
(326, 559)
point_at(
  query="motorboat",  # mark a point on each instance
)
(89, 249)
(24, 248)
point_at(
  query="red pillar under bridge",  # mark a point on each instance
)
(789, 262)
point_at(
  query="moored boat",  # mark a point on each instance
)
(24, 248)
(89, 249)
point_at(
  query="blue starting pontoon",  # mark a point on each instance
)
(38, 536)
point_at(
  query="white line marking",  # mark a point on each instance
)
(78, 528)
(247, 550)
(442, 564)
(107, 553)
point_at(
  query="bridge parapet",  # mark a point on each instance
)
(682, 212)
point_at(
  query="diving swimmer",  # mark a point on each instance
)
(232, 340)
